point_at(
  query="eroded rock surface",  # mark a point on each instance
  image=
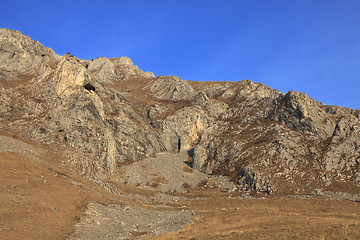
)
(107, 111)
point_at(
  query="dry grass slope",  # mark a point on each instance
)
(42, 200)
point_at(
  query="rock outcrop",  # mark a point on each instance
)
(112, 70)
(106, 111)
(171, 88)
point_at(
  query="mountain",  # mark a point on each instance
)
(103, 113)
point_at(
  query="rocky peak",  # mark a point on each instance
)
(249, 89)
(107, 111)
(22, 58)
(125, 66)
(102, 69)
(114, 69)
(69, 75)
(122, 61)
(299, 104)
(171, 88)
(13, 42)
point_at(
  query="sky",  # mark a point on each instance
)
(311, 46)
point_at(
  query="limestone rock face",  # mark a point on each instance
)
(103, 69)
(69, 74)
(301, 112)
(248, 89)
(213, 107)
(343, 153)
(171, 88)
(20, 53)
(102, 112)
(22, 59)
(183, 130)
(114, 69)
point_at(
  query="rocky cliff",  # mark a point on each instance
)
(103, 112)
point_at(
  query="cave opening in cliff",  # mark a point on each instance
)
(179, 144)
(89, 87)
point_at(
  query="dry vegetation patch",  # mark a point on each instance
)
(220, 217)
(42, 200)
(35, 202)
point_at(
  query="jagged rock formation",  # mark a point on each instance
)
(107, 111)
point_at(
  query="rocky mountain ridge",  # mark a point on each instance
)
(105, 112)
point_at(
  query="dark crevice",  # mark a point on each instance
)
(89, 87)
(179, 144)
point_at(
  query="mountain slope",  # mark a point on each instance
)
(105, 112)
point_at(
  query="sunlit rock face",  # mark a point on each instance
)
(108, 111)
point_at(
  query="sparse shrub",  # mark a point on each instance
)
(42, 130)
(253, 193)
(154, 184)
(203, 183)
(160, 180)
(186, 185)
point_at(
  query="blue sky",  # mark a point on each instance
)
(312, 46)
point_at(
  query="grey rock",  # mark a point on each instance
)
(106, 111)
(127, 222)
(171, 88)
(115, 69)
